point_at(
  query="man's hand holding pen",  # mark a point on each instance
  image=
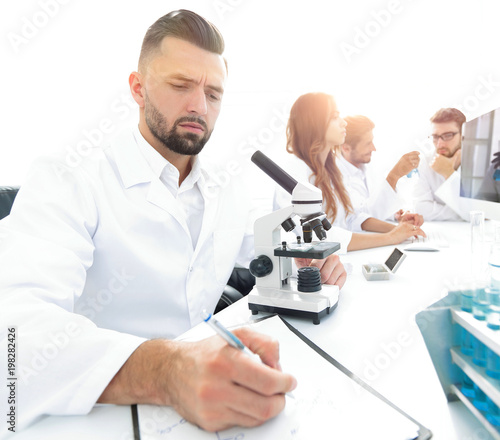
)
(216, 386)
(209, 383)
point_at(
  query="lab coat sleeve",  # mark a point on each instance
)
(449, 192)
(356, 219)
(64, 361)
(384, 203)
(341, 236)
(425, 202)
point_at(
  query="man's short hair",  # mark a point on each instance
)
(449, 115)
(357, 127)
(185, 25)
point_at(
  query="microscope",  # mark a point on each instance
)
(275, 291)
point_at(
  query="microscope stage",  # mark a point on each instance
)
(289, 301)
(318, 250)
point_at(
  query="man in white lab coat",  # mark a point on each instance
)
(378, 199)
(132, 243)
(436, 193)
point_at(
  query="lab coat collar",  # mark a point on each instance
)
(132, 165)
(353, 170)
(154, 159)
(135, 169)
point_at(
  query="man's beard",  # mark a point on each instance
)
(450, 153)
(361, 159)
(188, 144)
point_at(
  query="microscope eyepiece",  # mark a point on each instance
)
(276, 173)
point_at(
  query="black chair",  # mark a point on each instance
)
(239, 284)
(7, 196)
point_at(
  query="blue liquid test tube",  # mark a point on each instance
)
(466, 342)
(493, 364)
(480, 353)
(479, 400)
(480, 302)
(493, 415)
(493, 317)
(466, 297)
(467, 387)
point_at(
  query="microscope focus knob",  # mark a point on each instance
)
(261, 266)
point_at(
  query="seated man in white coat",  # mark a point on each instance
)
(436, 193)
(103, 263)
(378, 200)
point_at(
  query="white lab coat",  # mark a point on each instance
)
(434, 197)
(379, 201)
(95, 258)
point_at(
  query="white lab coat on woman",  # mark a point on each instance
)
(96, 257)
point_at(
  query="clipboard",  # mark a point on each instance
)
(354, 412)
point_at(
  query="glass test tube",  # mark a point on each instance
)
(493, 316)
(466, 296)
(493, 415)
(480, 353)
(466, 342)
(479, 400)
(467, 386)
(492, 364)
(480, 302)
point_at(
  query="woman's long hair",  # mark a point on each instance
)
(305, 132)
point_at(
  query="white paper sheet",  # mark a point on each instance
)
(327, 402)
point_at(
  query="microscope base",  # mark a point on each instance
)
(311, 305)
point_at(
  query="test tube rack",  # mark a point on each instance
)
(446, 319)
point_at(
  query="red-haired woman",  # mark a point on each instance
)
(314, 133)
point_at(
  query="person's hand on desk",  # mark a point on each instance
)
(209, 383)
(410, 217)
(331, 269)
(403, 231)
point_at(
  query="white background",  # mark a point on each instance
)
(65, 73)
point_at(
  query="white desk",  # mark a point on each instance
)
(372, 332)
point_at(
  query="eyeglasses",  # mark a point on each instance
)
(445, 136)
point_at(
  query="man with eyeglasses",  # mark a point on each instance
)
(440, 177)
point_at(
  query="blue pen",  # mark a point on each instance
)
(231, 339)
